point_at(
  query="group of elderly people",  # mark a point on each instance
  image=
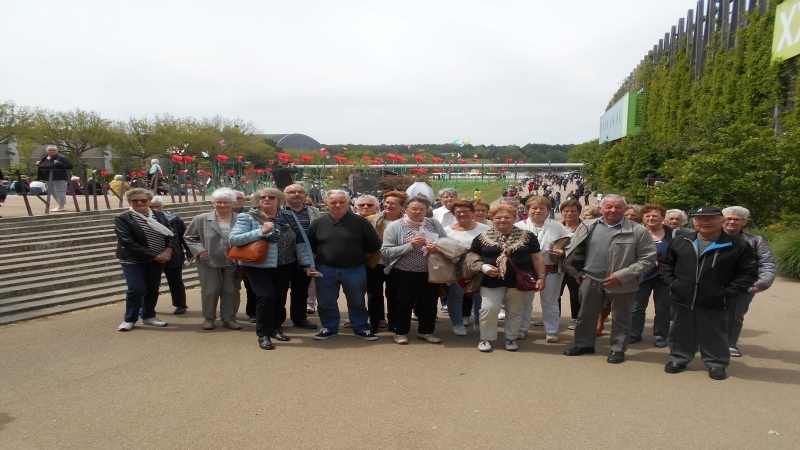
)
(401, 250)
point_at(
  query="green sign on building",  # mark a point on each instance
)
(786, 40)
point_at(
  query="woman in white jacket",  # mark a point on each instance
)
(547, 231)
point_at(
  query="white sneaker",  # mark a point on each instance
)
(572, 324)
(511, 346)
(502, 315)
(522, 334)
(459, 330)
(154, 321)
(485, 346)
(125, 326)
(465, 319)
(551, 338)
(538, 323)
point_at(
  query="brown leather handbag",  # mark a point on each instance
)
(255, 251)
(526, 278)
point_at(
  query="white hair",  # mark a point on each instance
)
(371, 198)
(154, 161)
(157, 199)
(223, 194)
(738, 210)
(450, 191)
(51, 147)
(624, 202)
(337, 192)
(118, 177)
(685, 218)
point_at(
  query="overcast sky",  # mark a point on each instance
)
(341, 71)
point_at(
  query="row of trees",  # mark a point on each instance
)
(530, 153)
(135, 140)
(729, 137)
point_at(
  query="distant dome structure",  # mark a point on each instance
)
(294, 141)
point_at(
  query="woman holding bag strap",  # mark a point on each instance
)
(495, 246)
(289, 247)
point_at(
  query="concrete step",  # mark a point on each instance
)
(59, 243)
(65, 304)
(13, 293)
(22, 260)
(55, 217)
(27, 238)
(10, 281)
(58, 269)
(78, 293)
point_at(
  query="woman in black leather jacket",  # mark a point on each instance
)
(145, 242)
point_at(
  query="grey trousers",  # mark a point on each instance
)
(737, 308)
(592, 296)
(703, 328)
(58, 189)
(662, 305)
(218, 284)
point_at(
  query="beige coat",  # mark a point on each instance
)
(204, 234)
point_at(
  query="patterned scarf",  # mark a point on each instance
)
(508, 242)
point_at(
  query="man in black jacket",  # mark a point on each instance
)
(704, 270)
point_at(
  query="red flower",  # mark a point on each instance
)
(104, 173)
(188, 159)
(222, 158)
(231, 173)
(182, 172)
(177, 158)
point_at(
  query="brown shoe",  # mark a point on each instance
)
(208, 324)
(402, 340)
(429, 338)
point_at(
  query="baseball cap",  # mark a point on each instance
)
(706, 210)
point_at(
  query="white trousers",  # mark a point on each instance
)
(549, 298)
(493, 300)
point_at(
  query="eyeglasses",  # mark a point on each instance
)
(732, 219)
(366, 205)
(265, 197)
(137, 200)
(239, 199)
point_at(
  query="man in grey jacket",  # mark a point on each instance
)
(608, 257)
(735, 218)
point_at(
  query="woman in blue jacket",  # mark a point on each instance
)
(288, 248)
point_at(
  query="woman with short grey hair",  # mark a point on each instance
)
(208, 239)
(735, 219)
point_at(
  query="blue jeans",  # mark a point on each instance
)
(353, 281)
(455, 303)
(143, 281)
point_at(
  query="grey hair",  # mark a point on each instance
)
(624, 202)
(157, 199)
(154, 161)
(223, 193)
(738, 210)
(269, 190)
(118, 177)
(678, 211)
(371, 198)
(337, 192)
(51, 147)
(450, 191)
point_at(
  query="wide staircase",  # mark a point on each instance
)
(65, 262)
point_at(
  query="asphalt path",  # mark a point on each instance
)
(74, 381)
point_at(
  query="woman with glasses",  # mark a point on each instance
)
(498, 246)
(481, 211)
(207, 238)
(173, 270)
(288, 248)
(145, 243)
(392, 210)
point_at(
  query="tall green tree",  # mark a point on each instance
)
(75, 132)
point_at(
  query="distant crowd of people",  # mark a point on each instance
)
(395, 257)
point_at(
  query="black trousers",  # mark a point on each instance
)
(270, 287)
(375, 281)
(176, 287)
(252, 299)
(574, 300)
(703, 328)
(298, 296)
(411, 288)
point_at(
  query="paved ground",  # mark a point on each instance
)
(73, 381)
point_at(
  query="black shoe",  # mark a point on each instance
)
(252, 319)
(310, 311)
(179, 310)
(673, 367)
(265, 343)
(634, 339)
(325, 334)
(577, 351)
(279, 336)
(616, 357)
(717, 373)
(660, 342)
(367, 335)
(307, 324)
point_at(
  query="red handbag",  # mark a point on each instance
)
(526, 279)
(255, 251)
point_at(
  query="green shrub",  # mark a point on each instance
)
(786, 247)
